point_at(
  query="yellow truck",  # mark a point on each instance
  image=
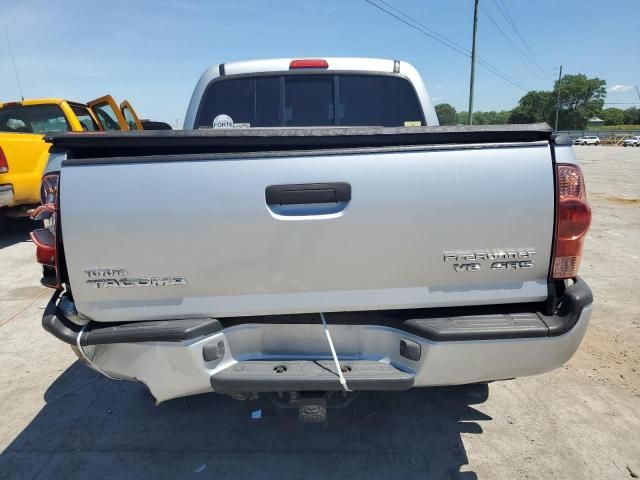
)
(23, 151)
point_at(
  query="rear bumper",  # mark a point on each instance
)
(388, 352)
(10, 205)
(6, 195)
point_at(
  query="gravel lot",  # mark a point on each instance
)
(59, 419)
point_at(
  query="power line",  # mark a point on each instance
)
(455, 46)
(461, 49)
(519, 52)
(416, 25)
(502, 8)
(504, 76)
(424, 30)
(508, 91)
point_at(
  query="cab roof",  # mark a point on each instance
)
(39, 101)
(330, 64)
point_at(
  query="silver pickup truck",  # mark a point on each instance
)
(313, 234)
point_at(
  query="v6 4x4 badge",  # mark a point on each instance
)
(476, 260)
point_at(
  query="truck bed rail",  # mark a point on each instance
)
(119, 144)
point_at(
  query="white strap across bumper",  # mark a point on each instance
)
(343, 382)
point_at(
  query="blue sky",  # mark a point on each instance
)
(152, 52)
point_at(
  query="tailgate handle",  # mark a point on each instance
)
(305, 193)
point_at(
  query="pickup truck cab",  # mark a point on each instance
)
(23, 151)
(272, 249)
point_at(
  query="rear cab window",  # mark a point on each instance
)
(128, 117)
(85, 118)
(40, 119)
(106, 116)
(317, 99)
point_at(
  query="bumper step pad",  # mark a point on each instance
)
(308, 375)
(479, 327)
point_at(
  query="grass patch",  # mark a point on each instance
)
(614, 127)
(624, 201)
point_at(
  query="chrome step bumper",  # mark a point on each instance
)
(183, 357)
(262, 376)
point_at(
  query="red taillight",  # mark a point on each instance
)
(45, 247)
(46, 239)
(573, 220)
(49, 191)
(309, 63)
(4, 164)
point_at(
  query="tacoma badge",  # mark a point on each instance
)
(118, 277)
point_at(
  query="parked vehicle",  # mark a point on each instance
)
(315, 257)
(23, 151)
(154, 125)
(632, 142)
(587, 140)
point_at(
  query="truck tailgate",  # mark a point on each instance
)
(177, 236)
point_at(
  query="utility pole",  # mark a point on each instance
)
(558, 99)
(473, 61)
(637, 91)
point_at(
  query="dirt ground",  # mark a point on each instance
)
(59, 419)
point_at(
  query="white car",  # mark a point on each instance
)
(632, 142)
(587, 141)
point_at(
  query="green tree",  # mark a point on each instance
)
(612, 116)
(503, 117)
(632, 116)
(484, 118)
(446, 114)
(580, 99)
(479, 118)
(496, 118)
(535, 106)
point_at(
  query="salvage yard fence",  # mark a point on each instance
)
(607, 137)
